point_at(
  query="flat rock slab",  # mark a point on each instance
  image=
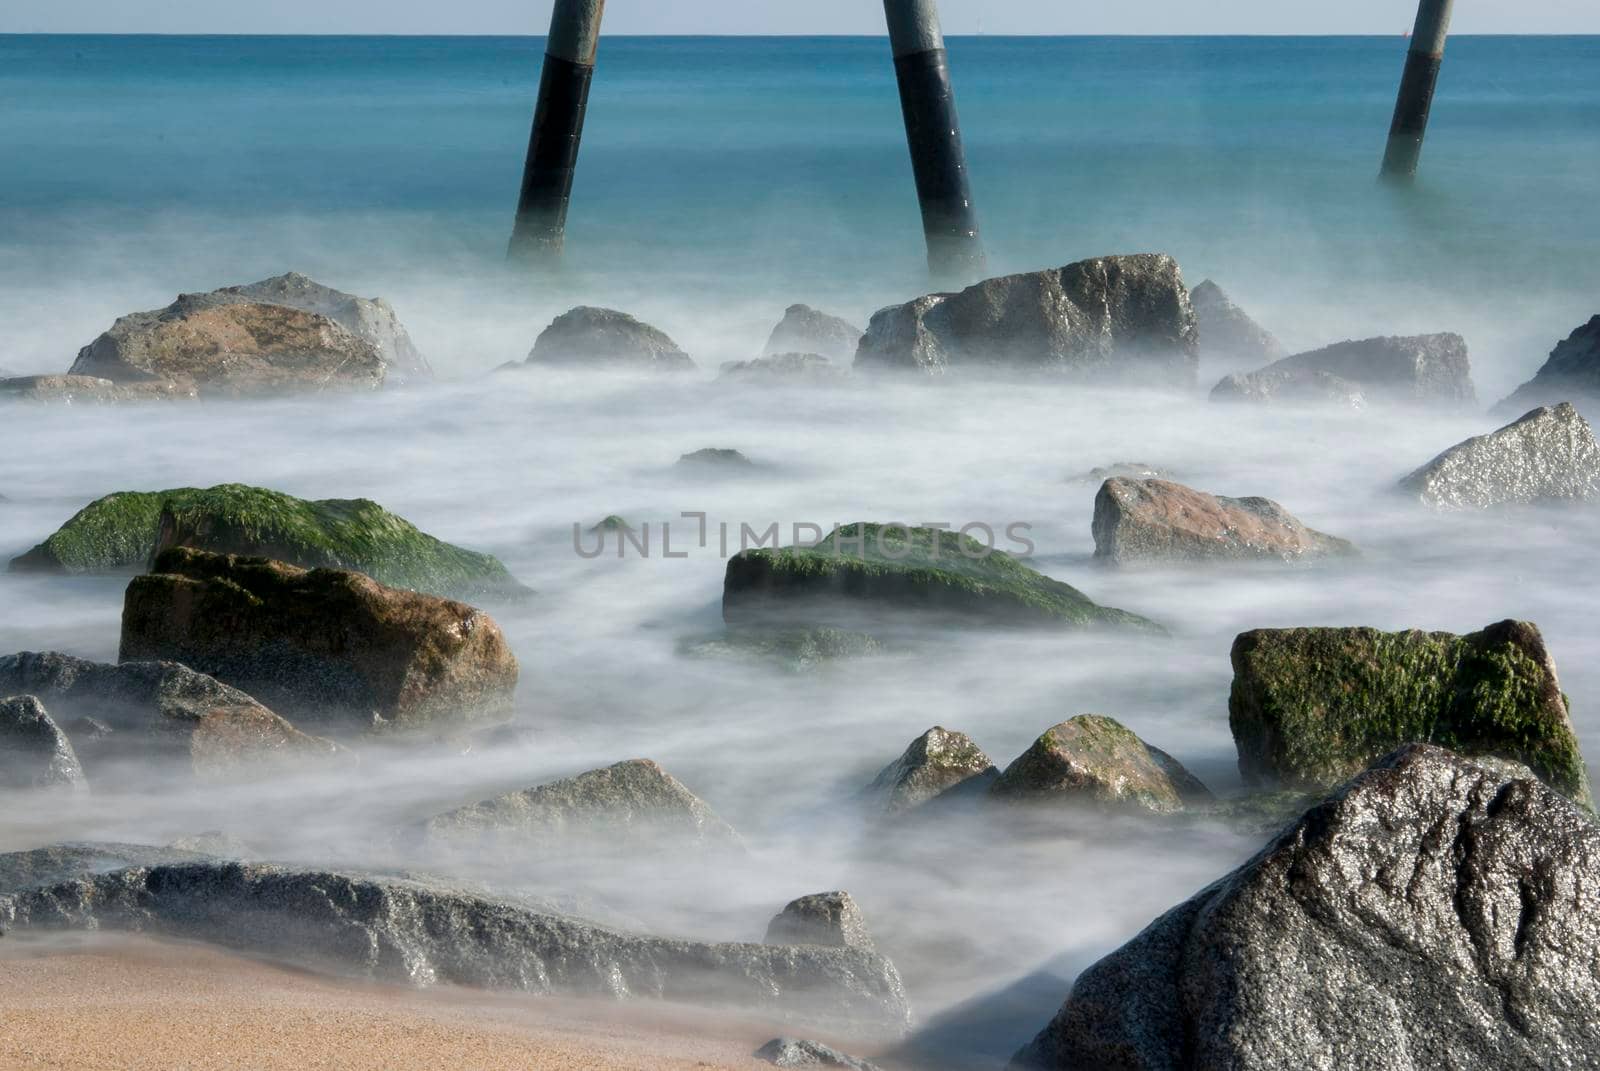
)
(788, 367)
(1547, 455)
(1294, 386)
(1142, 521)
(1418, 369)
(90, 390)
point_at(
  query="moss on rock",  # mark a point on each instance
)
(124, 531)
(1311, 707)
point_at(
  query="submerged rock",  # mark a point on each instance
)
(797, 649)
(715, 459)
(1093, 759)
(424, 933)
(875, 570)
(34, 752)
(1430, 914)
(129, 713)
(1227, 332)
(1549, 454)
(126, 530)
(804, 330)
(795, 1052)
(1299, 386)
(611, 523)
(830, 918)
(938, 760)
(783, 367)
(1123, 318)
(1572, 373)
(369, 318)
(605, 338)
(1159, 521)
(1310, 706)
(1131, 470)
(1430, 369)
(326, 644)
(90, 390)
(630, 804)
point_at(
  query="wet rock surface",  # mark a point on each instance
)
(1571, 373)
(937, 760)
(371, 319)
(788, 367)
(870, 571)
(1432, 913)
(589, 337)
(1140, 521)
(1295, 386)
(1095, 760)
(1227, 332)
(1546, 455)
(56, 864)
(831, 918)
(632, 802)
(34, 752)
(1420, 369)
(807, 330)
(797, 1052)
(1131, 470)
(1311, 706)
(89, 390)
(427, 933)
(326, 645)
(1121, 318)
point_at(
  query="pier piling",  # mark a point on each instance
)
(1423, 61)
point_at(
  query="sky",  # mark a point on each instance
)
(786, 16)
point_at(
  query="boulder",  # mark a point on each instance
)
(796, 1052)
(428, 933)
(1572, 372)
(1311, 706)
(1096, 760)
(1432, 913)
(808, 331)
(127, 714)
(937, 760)
(1296, 386)
(1431, 369)
(875, 570)
(830, 918)
(715, 459)
(34, 752)
(1137, 521)
(783, 368)
(611, 523)
(1227, 332)
(369, 318)
(1546, 455)
(55, 864)
(125, 531)
(326, 645)
(227, 344)
(1123, 318)
(90, 390)
(588, 337)
(625, 806)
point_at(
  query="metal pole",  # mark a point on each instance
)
(955, 252)
(569, 54)
(1423, 60)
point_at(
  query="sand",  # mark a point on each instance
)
(132, 1003)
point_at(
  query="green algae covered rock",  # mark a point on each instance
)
(1311, 707)
(126, 530)
(868, 569)
(1097, 760)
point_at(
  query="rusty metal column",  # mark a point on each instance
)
(955, 252)
(540, 231)
(1423, 61)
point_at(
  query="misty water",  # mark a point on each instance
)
(722, 180)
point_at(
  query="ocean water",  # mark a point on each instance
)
(720, 180)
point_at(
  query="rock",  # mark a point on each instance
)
(133, 712)
(604, 338)
(715, 459)
(226, 344)
(1572, 372)
(830, 918)
(794, 1052)
(1299, 386)
(90, 390)
(783, 367)
(427, 933)
(1133, 470)
(1430, 914)
(806, 330)
(327, 645)
(34, 752)
(55, 864)
(369, 318)
(1097, 760)
(937, 760)
(126, 530)
(1227, 332)
(1113, 318)
(611, 523)
(796, 649)
(1432, 369)
(212, 843)
(873, 570)
(1311, 706)
(1546, 455)
(1138, 521)
(634, 803)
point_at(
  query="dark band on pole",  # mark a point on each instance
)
(1423, 62)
